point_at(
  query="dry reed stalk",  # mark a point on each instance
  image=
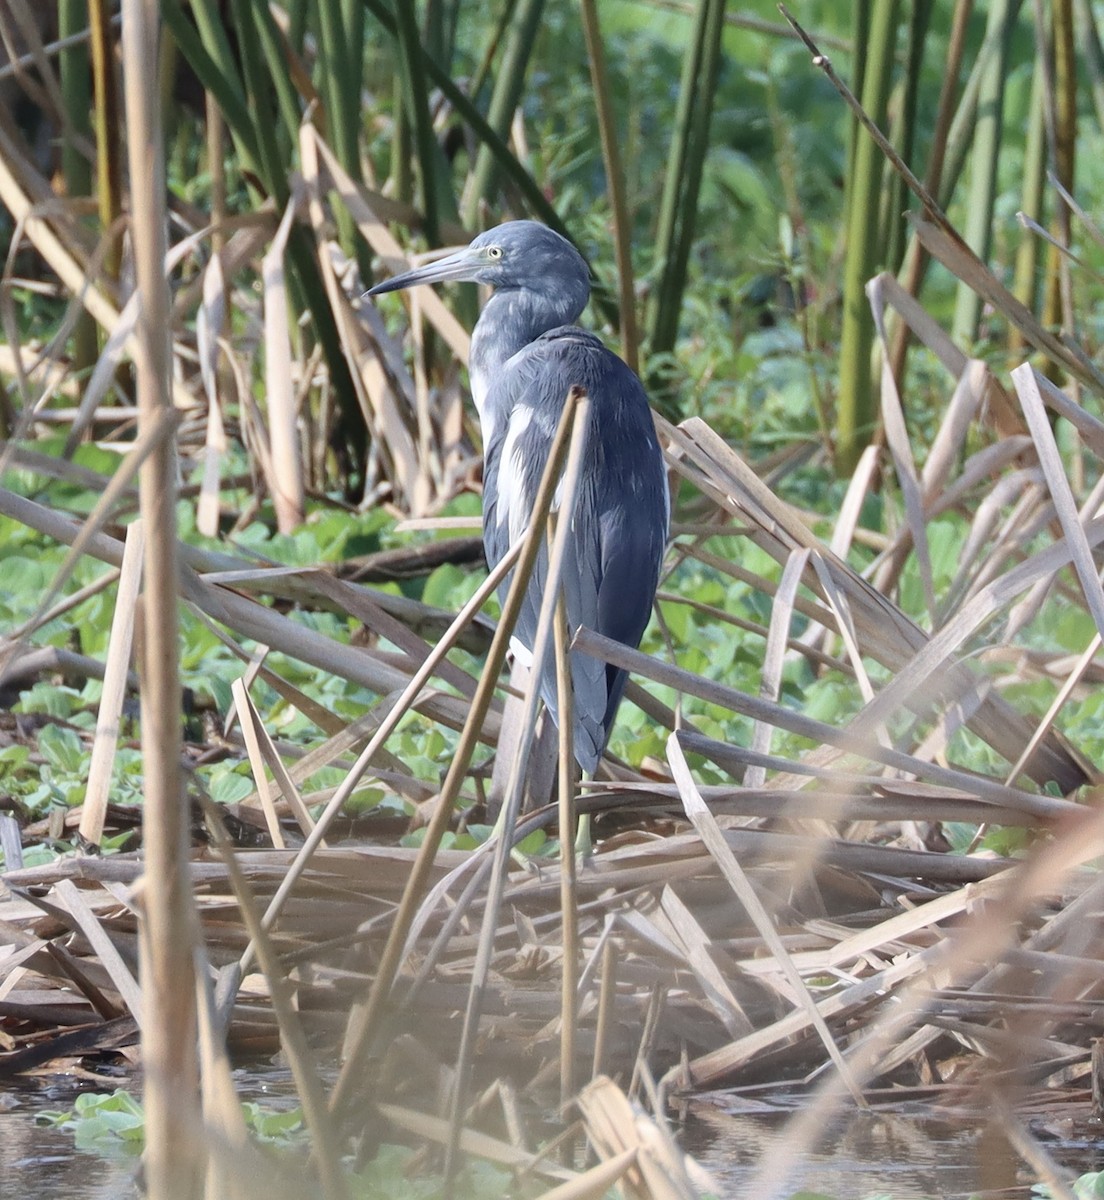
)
(853, 739)
(248, 618)
(659, 1170)
(402, 705)
(209, 326)
(981, 939)
(710, 833)
(377, 400)
(121, 978)
(436, 1129)
(116, 676)
(326, 1151)
(363, 1021)
(577, 415)
(247, 717)
(286, 482)
(569, 914)
(596, 1182)
(174, 1149)
(268, 754)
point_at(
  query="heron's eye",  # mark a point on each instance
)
(494, 252)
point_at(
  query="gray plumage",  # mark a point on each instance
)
(526, 355)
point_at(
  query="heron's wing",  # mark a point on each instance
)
(619, 528)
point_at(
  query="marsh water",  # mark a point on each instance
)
(905, 1154)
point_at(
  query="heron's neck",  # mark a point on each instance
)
(510, 320)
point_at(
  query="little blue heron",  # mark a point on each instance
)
(526, 355)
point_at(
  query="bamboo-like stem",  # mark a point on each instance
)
(278, 76)
(860, 37)
(978, 227)
(1092, 54)
(216, 168)
(685, 166)
(109, 182)
(205, 46)
(960, 140)
(174, 1147)
(402, 177)
(1025, 284)
(1058, 304)
(489, 137)
(341, 42)
(257, 84)
(364, 1022)
(353, 21)
(504, 101)
(76, 87)
(335, 71)
(855, 409)
(916, 260)
(416, 106)
(615, 182)
(893, 218)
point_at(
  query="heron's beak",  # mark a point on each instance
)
(460, 267)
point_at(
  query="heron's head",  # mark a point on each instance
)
(520, 255)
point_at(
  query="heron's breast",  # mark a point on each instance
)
(514, 471)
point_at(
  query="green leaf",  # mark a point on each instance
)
(534, 843)
(62, 749)
(12, 758)
(229, 787)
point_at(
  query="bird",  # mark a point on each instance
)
(527, 353)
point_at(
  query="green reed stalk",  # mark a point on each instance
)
(682, 182)
(978, 227)
(76, 86)
(1025, 285)
(504, 100)
(436, 193)
(894, 227)
(107, 121)
(856, 408)
(507, 162)
(615, 180)
(1092, 53)
(1058, 304)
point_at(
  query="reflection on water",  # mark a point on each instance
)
(909, 1155)
(40, 1163)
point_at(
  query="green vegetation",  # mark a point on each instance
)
(113, 1126)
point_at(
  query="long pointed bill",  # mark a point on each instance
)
(460, 267)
